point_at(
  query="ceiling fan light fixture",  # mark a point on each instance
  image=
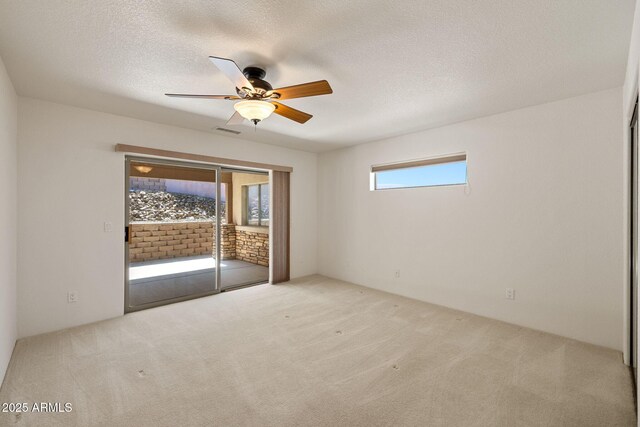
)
(254, 110)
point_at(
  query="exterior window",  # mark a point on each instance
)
(449, 170)
(258, 204)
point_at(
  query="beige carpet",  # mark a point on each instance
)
(315, 352)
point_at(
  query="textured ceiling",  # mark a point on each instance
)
(395, 67)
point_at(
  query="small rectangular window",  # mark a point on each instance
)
(448, 170)
(257, 204)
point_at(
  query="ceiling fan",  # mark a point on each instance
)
(257, 97)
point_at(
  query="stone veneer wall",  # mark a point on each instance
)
(252, 246)
(162, 240)
(228, 238)
(148, 184)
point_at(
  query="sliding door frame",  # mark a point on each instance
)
(633, 247)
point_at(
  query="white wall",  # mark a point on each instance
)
(544, 216)
(71, 181)
(8, 217)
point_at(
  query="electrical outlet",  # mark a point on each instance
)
(510, 293)
(397, 274)
(72, 296)
(108, 227)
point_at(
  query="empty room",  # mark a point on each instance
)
(303, 213)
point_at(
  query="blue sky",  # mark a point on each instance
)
(442, 174)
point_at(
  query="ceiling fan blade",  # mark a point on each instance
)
(236, 119)
(230, 69)
(321, 87)
(291, 113)
(186, 95)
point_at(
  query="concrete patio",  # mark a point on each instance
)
(160, 280)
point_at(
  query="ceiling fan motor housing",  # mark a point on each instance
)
(255, 76)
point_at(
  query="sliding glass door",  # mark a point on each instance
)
(172, 210)
(192, 230)
(244, 240)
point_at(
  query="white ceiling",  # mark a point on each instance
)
(395, 67)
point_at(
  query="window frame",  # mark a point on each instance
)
(431, 161)
(246, 205)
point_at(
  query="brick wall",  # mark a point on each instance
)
(150, 241)
(147, 184)
(252, 247)
(161, 240)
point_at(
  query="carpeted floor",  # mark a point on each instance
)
(315, 352)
